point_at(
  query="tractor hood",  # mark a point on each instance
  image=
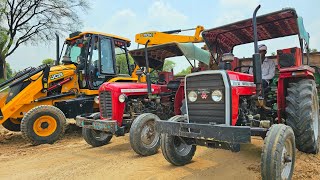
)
(129, 88)
(157, 54)
(277, 24)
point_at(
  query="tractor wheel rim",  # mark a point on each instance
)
(45, 126)
(286, 159)
(149, 136)
(315, 118)
(99, 135)
(181, 148)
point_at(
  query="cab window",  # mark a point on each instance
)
(107, 64)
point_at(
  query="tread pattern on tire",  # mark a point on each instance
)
(299, 115)
(135, 136)
(167, 149)
(272, 151)
(26, 131)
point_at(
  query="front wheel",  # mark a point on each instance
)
(96, 138)
(278, 153)
(174, 149)
(43, 124)
(144, 139)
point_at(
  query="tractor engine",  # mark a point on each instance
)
(136, 105)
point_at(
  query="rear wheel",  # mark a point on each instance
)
(278, 153)
(96, 138)
(43, 124)
(303, 114)
(144, 139)
(174, 149)
(12, 124)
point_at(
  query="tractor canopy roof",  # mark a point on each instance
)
(277, 24)
(157, 54)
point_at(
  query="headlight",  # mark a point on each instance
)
(96, 99)
(122, 98)
(192, 96)
(216, 96)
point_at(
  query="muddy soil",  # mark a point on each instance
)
(73, 158)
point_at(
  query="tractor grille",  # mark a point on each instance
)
(105, 104)
(204, 110)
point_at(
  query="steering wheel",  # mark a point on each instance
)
(239, 67)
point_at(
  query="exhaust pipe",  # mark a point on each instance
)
(257, 74)
(57, 50)
(148, 72)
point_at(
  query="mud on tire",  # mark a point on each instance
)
(303, 114)
(278, 153)
(43, 125)
(96, 138)
(174, 149)
(144, 139)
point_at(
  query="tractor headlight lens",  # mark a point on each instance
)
(122, 98)
(96, 99)
(216, 96)
(192, 96)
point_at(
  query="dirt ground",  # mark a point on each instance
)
(73, 158)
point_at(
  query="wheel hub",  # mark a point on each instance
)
(286, 160)
(148, 135)
(45, 126)
(181, 147)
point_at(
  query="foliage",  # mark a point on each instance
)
(9, 71)
(33, 21)
(314, 50)
(121, 63)
(184, 71)
(168, 66)
(48, 61)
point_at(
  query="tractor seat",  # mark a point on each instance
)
(173, 85)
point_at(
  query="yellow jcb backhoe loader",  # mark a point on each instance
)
(40, 99)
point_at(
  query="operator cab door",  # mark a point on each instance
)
(100, 61)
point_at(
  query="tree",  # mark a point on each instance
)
(34, 21)
(168, 65)
(314, 50)
(185, 71)
(9, 71)
(121, 63)
(48, 61)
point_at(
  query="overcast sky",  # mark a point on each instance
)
(127, 18)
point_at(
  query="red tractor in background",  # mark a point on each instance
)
(122, 103)
(225, 108)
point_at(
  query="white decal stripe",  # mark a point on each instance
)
(135, 90)
(242, 83)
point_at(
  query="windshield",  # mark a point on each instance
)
(121, 61)
(73, 51)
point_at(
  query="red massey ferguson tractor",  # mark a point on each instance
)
(123, 104)
(225, 108)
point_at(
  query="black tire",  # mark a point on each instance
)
(12, 125)
(96, 138)
(144, 139)
(52, 123)
(174, 149)
(183, 107)
(278, 153)
(303, 114)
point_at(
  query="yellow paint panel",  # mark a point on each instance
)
(100, 33)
